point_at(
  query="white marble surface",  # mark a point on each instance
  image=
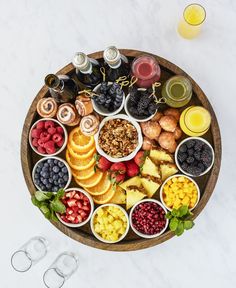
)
(38, 37)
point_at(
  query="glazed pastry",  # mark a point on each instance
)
(68, 115)
(89, 125)
(173, 112)
(151, 129)
(148, 144)
(167, 141)
(157, 116)
(168, 123)
(83, 105)
(177, 133)
(47, 107)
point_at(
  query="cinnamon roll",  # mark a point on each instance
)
(47, 107)
(68, 115)
(89, 125)
(83, 105)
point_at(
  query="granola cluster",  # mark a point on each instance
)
(118, 138)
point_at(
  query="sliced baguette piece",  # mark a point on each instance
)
(133, 196)
(167, 170)
(159, 155)
(149, 168)
(150, 185)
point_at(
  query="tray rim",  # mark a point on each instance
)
(140, 243)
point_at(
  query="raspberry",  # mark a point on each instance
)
(60, 143)
(60, 130)
(41, 150)
(50, 147)
(41, 143)
(40, 125)
(44, 136)
(35, 142)
(36, 133)
(57, 137)
(52, 130)
(49, 124)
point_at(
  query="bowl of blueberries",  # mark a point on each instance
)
(109, 99)
(194, 156)
(140, 105)
(51, 174)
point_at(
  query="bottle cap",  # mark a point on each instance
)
(81, 61)
(52, 81)
(111, 55)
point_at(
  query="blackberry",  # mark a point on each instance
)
(190, 160)
(143, 103)
(197, 155)
(206, 158)
(104, 87)
(190, 143)
(190, 152)
(152, 108)
(201, 167)
(198, 145)
(184, 166)
(183, 148)
(182, 157)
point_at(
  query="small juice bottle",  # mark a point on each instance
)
(195, 121)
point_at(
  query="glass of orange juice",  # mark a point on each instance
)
(193, 17)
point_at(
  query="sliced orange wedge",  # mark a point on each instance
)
(102, 187)
(106, 197)
(82, 155)
(82, 164)
(90, 182)
(83, 174)
(79, 142)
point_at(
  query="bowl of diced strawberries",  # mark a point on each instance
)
(79, 208)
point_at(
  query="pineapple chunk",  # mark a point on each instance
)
(158, 155)
(133, 196)
(149, 168)
(168, 170)
(150, 186)
(135, 181)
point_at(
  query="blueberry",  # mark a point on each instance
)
(60, 174)
(56, 169)
(46, 164)
(43, 188)
(36, 176)
(64, 170)
(37, 182)
(55, 177)
(41, 178)
(50, 180)
(65, 178)
(54, 189)
(60, 181)
(61, 185)
(55, 161)
(55, 182)
(40, 165)
(60, 164)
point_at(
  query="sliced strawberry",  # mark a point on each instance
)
(80, 205)
(60, 143)
(75, 209)
(83, 214)
(71, 218)
(71, 202)
(60, 130)
(77, 196)
(79, 219)
(69, 211)
(85, 208)
(44, 136)
(40, 125)
(35, 142)
(71, 194)
(64, 218)
(49, 124)
(35, 133)
(41, 150)
(52, 130)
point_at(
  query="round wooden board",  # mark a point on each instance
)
(206, 182)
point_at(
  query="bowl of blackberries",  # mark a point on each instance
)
(140, 104)
(109, 98)
(51, 174)
(194, 156)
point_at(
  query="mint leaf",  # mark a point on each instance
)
(46, 211)
(60, 193)
(188, 224)
(180, 229)
(174, 222)
(175, 212)
(57, 206)
(36, 202)
(42, 196)
(183, 210)
(168, 215)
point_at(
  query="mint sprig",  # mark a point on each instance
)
(49, 203)
(180, 220)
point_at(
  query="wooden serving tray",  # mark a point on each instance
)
(132, 241)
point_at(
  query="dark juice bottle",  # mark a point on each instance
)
(116, 64)
(62, 88)
(87, 70)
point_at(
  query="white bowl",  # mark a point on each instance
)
(57, 158)
(103, 111)
(145, 235)
(179, 175)
(131, 155)
(65, 137)
(90, 214)
(130, 115)
(194, 138)
(97, 235)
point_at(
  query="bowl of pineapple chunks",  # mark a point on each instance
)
(110, 223)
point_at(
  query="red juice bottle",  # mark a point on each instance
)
(146, 69)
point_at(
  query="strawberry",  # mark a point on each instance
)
(117, 178)
(140, 158)
(35, 142)
(60, 130)
(75, 209)
(132, 168)
(48, 124)
(44, 136)
(119, 168)
(50, 147)
(102, 163)
(71, 202)
(69, 211)
(57, 137)
(79, 219)
(71, 194)
(40, 125)
(35, 133)
(52, 130)
(41, 150)
(64, 218)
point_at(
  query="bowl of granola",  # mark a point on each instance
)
(119, 138)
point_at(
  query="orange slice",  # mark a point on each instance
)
(79, 164)
(106, 197)
(102, 187)
(83, 174)
(92, 181)
(79, 142)
(83, 155)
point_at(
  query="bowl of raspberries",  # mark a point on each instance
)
(109, 98)
(140, 104)
(48, 137)
(194, 156)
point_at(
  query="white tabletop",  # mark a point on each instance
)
(39, 37)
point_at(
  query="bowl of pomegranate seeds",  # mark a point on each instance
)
(147, 218)
(48, 137)
(79, 208)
